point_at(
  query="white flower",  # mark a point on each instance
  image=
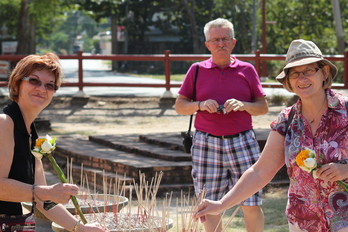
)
(310, 163)
(36, 154)
(46, 147)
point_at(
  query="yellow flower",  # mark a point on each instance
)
(306, 160)
(304, 154)
(39, 141)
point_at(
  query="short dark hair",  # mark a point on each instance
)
(28, 65)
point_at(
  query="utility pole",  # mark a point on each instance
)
(126, 29)
(338, 25)
(264, 42)
(253, 32)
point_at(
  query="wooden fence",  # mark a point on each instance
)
(167, 58)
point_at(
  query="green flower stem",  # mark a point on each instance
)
(344, 185)
(63, 179)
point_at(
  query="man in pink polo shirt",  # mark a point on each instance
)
(228, 94)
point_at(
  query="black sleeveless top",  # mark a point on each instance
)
(23, 164)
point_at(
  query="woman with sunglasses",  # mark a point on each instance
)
(32, 85)
(310, 134)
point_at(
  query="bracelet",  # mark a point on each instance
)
(33, 202)
(34, 194)
(199, 105)
(76, 226)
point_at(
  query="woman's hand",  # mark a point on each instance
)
(207, 207)
(333, 172)
(58, 193)
(91, 227)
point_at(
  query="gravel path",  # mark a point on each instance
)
(121, 115)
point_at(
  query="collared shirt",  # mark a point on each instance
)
(315, 204)
(239, 80)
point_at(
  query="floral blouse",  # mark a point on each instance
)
(315, 204)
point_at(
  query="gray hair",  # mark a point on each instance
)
(218, 23)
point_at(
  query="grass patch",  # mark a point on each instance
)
(274, 203)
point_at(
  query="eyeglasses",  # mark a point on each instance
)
(217, 40)
(307, 73)
(36, 82)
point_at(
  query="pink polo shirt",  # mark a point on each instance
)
(239, 80)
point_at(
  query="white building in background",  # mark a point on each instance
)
(152, 35)
(105, 40)
(7, 48)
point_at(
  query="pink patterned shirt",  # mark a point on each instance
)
(315, 204)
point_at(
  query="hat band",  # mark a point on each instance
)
(304, 55)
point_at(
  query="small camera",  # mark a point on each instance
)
(220, 109)
(49, 205)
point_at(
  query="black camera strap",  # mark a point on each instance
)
(194, 96)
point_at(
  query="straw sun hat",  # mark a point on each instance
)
(303, 52)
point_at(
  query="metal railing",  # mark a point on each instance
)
(167, 58)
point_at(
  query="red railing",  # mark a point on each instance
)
(257, 58)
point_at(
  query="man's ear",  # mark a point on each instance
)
(207, 45)
(234, 41)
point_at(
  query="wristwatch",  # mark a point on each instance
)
(49, 205)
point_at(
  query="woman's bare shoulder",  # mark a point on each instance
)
(6, 122)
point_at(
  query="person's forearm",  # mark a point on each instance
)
(15, 191)
(61, 216)
(186, 107)
(256, 108)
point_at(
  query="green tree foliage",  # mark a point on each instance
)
(189, 17)
(240, 14)
(302, 19)
(305, 19)
(137, 15)
(9, 11)
(28, 19)
(63, 20)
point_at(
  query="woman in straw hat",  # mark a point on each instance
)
(310, 138)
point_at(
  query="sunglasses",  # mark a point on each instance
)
(36, 82)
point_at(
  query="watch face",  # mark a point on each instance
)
(49, 205)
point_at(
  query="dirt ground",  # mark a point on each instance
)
(124, 115)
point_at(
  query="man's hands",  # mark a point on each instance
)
(212, 106)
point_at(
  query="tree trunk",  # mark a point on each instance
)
(195, 37)
(338, 25)
(114, 45)
(26, 31)
(32, 36)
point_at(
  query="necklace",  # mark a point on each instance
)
(318, 112)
